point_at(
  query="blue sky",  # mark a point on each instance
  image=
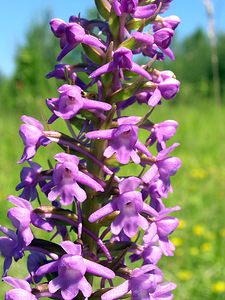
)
(17, 16)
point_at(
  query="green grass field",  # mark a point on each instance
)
(199, 188)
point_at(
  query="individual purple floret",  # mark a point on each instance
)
(122, 59)
(71, 269)
(71, 101)
(10, 246)
(162, 132)
(21, 291)
(156, 45)
(71, 35)
(65, 177)
(150, 252)
(167, 22)
(160, 229)
(167, 87)
(130, 204)
(145, 283)
(29, 177)
(123, 141)
(165, 166)
(22, 216)
(33, 137)
(131, 6)
(163, 37)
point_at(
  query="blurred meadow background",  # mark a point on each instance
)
(198, 267)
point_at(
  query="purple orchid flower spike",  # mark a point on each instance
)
(119, 212)
(142, 284)
(162, 132)
(29, 179)
(21, 291)
(65, 177)
(130, 204)
(71, 35)
(131, 6)
(70, 102)
(123, 141)
(32, 134)
(122, 59)
(71, 269)
(161, 228)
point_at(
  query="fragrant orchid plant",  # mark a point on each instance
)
(100, 221)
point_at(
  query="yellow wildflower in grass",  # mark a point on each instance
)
(184, 275)
(199, 230)
(198, 173)
(206, 247)
(194, 251)
(177, 241)
(182, 224)
(218, 287)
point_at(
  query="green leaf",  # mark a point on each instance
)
(127, 92)
(103, 8)
(135, 24)
(114, 25)
(93, 54)
(129, 43)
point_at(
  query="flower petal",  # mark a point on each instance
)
(98, 269)
(117, 292)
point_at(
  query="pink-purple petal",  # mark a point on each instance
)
(117, 292)
(139, 70)
(129, 184)
(87, 180)
(98, 269)
(20, 202)
(92, 104)
(17, 283)
(100, 134)
(145, 11)
(93, 41)
(102, 212)
(54, 285)
(85, 287)
(109, 67)
(47, 268)
(71, 248)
